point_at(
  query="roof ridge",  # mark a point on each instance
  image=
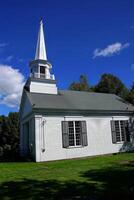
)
(88, 92)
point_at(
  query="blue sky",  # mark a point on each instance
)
(74, 29)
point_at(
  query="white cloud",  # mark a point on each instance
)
(110, 50)
(11, 85)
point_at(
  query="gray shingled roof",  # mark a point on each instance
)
(75, 100)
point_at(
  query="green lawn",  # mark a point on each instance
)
(104, 177)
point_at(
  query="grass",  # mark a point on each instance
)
(96, 178)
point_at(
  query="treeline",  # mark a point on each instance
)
(9, 136)
(107, 84)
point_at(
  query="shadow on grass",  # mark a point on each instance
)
(51, 189)
(109, 183)
(117, 181)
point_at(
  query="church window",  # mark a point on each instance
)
(74, 133)
(120, 131)
(42, 70)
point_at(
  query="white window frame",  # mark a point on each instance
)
(74, 127)
(120, 131)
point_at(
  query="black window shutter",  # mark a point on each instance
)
(131, 127)
(65, 136)
(84, 133)
(113, 132)
(124, 132)
(127, 130)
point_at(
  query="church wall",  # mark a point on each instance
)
(49, 138)
(27, 137)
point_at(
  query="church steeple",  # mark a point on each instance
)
(41, 80)
(41, 48)
(40, 67)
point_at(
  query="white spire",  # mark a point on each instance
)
(40, 48)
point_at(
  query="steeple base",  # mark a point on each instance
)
(41, 86)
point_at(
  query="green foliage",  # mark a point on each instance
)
(9, 135)
(130, 96)
(107, 84)
(82, 85)
(111, 84)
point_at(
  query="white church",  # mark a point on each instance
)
(61, 124)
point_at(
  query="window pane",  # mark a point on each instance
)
(74, 128)
(71, 133)
(117, 129)
(71, 143)
(70, 124)
(71, 130)
(71, 140)
(71, 136)
(78, 139)
(78, 142)
(123, 131)
(77, 124)
(78, 132)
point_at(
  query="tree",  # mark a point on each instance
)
(13, 120)
(82, 85)
(111, 84)
(9, 135)
(130, 96)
